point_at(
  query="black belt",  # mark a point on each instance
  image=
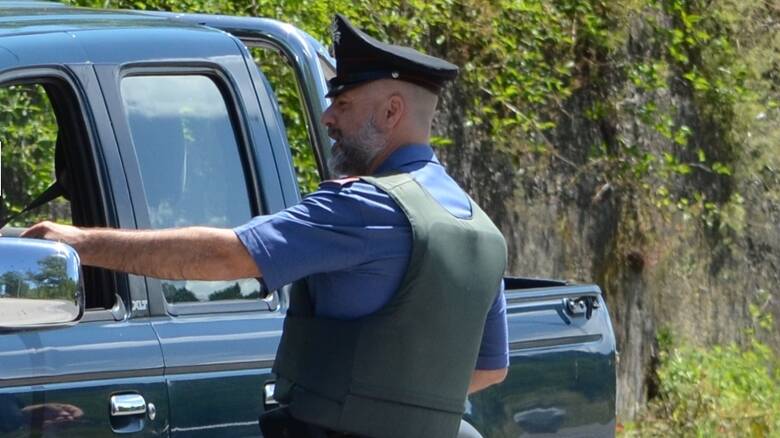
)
(278, 423)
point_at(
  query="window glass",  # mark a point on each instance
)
(42, 134)
(191, 166)
(282, 79)
(27, 145)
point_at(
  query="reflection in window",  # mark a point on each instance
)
(192, 291)
(190, 165)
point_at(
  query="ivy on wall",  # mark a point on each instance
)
(523, 60)
(725, 390)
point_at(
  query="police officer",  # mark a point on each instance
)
(397, 312)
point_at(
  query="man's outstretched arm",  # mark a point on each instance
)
(194, 253)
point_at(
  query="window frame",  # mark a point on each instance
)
(237, 116)
(76, 125)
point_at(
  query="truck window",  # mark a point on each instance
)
(43, 140)
(191, 167)
(27, 145)
(282, 79)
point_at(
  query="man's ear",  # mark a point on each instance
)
(394, 110)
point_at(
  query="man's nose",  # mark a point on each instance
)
(327, 118)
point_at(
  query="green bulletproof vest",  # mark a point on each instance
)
(404, 370)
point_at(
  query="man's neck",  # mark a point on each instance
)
(386, 152)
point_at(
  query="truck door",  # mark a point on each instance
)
(63, 381)
(218, 338)
(201, 154)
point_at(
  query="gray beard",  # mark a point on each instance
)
(353, 155)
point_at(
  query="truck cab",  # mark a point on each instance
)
(156, 120)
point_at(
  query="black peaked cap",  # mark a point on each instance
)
(361, 58)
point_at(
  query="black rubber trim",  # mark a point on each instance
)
(554, 342)
(81, 377)
(211, 368)
(518, 283)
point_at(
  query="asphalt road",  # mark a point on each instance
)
(24, 311)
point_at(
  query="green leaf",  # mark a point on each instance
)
(721, 169)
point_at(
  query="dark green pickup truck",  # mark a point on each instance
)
(166, 120)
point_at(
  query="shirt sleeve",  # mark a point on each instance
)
(323, 233)
(494, 349)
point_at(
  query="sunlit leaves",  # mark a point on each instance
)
(29, 133)
(671, 69)
(724, 390)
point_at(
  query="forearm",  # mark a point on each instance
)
(195, 253)
(481, 379)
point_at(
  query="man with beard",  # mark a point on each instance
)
(397, 311)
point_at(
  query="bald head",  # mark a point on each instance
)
(419, 102)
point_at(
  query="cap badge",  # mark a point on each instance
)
(394, 75)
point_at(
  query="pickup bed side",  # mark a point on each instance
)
(561, 379)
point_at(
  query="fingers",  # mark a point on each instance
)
(52, 231)
(37, 231)
(73, 411)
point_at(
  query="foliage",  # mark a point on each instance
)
(50, 281)
(717, 391)
(693, 57)
(229, 293)
(28, 139)
(281, 76)
(175, 294)
(523, 61)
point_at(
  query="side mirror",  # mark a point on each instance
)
(40, 284)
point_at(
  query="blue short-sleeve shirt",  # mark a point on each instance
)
(352, 244)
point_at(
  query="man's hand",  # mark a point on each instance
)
(481, 379)
(53, 413)
(58, 232)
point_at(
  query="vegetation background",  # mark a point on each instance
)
(630, 143)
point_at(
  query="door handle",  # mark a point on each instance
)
(127, 404)
(129, 413)
(269, 401)
(582, 306)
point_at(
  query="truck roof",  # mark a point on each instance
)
(44, 33)
(35, 17)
